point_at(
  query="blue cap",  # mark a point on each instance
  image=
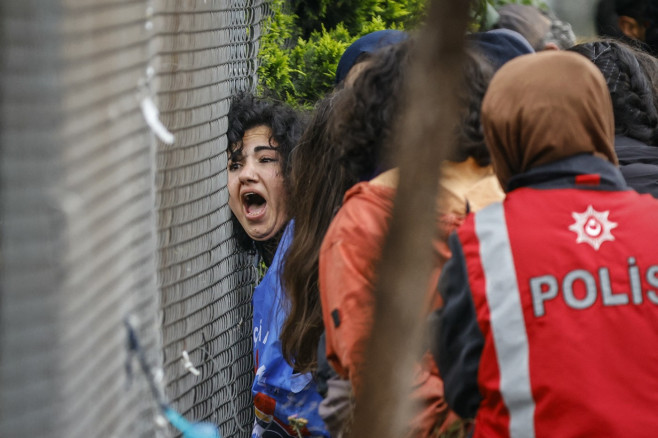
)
(368, 43)
(500, 45)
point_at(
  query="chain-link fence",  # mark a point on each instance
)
(104, 217)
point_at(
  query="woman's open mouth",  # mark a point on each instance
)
(254, 205)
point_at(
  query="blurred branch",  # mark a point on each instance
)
(425, 133)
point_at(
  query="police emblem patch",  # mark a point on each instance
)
(593, 227)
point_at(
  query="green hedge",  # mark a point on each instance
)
(303, 40)
(298, 55)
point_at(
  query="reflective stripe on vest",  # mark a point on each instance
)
(507, 322)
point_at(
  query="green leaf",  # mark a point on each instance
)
(303, 41)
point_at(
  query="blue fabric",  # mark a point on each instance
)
(278, 391)
(638, 163)
(500, 45)
(368, 43)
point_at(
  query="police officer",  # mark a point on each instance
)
(550, 322)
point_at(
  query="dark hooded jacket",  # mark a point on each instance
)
(638, 163)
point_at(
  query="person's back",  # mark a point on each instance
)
(551, 296)
(352, 245)
(362, 128)
(578, 357)
(632, 78)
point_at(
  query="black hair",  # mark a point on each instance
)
(608, 12)
(651, 34)
(365, 116)
(347, 141)
(632, 78)
(363, 121)
(644, 12)
(249, 111)
(605, 20)
(632, 8)
(318, 185)
(477, 73)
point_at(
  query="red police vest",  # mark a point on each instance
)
(565, 288)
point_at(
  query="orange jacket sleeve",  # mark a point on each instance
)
(349, 253)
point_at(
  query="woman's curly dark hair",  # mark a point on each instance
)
(477, 73)
(344, 143)
(347, 141)
(365, 116)
(632, 78)
(249, 111)
(318, 185)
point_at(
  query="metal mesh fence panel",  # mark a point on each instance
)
(101, 220)
(208, 53)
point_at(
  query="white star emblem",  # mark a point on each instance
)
(593, 227)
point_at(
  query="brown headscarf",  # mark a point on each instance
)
(544, 107)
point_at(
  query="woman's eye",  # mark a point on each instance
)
(268, 160)
(233, 166)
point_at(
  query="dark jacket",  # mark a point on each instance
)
(638, 163)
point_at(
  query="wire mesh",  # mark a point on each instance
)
(208, 52)
(100, 220)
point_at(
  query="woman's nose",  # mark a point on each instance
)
(248, 173)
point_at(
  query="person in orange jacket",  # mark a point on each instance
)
(352, 245)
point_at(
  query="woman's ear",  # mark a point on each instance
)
(631, 28)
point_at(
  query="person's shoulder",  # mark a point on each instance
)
(367, 200)
(379, 191)
(364, 214)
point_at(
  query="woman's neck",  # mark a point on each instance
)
(267, 248)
